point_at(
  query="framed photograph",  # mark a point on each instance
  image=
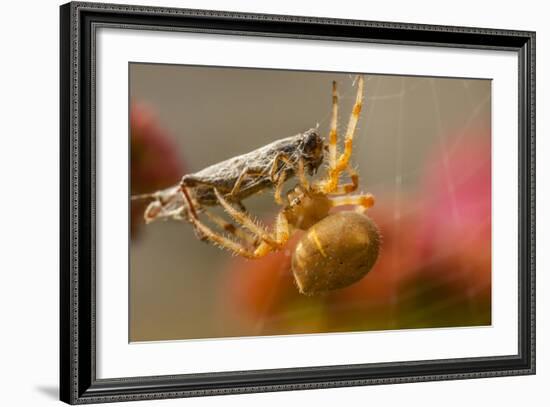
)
(255, 203)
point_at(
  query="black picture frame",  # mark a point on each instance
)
(78, 382)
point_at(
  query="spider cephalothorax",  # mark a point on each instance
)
(306, 207)
(337, 249)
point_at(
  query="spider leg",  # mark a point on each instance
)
(364, 201)
(282, 234)
(190, 208)
(343, 160)
(204, 232)
(245, 220)
(341, 164)
(333, 135)
(222, 241)
(347, 188)
(231, 228)
(264, 248)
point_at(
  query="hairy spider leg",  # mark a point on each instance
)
(231, 228)
(364, 201)
(342, 189)
(343, 160)
(206, 233)
(245, 220)
(269, 241)
(333, 135)
(240, 216)
(282, 234)
(341, 164)
(191, 210)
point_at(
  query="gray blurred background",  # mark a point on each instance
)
(176, 281)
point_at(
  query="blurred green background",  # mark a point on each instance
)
(422, 148)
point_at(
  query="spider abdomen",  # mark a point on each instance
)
(335, 252)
